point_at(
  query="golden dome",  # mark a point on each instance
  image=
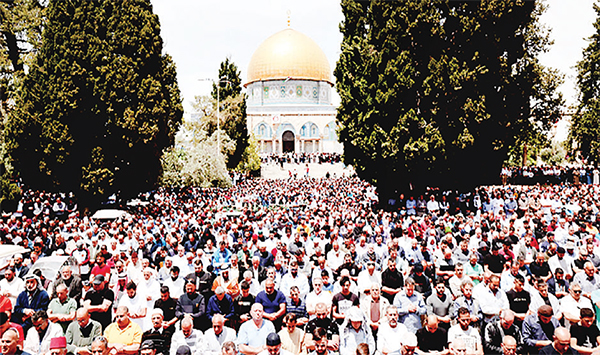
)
(289, 54)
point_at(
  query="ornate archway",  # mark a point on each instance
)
(288, 138)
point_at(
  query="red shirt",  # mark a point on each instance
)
(96, 270)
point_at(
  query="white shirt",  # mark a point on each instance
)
(490, 303)
(213, 343)
(569, 305)
(195, 341)
(537, 301)
(470, 336)
(32, 343)
(388, 337)
(14, 287)
(134, 305)
(312, 299)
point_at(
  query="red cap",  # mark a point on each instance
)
(58, 343)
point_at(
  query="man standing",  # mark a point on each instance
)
(192, 303)
(492, 300)
(441, 304)
(538, 329)
(169, 307)
(343, 300)
(572, 303)
(99, 302)
(585, 338)
(322, 321)
(253, 333)
(187, 336)
(374, 308)
(392, 281)
(30, 301)
(410, 306)
(80, 334)
(37, 339)
(62, 309)
(465, 332)
(220, 303)
(432, 339)
(519, 300)
(136, 304)
(124, 336)
(273, 302)
(390, 332)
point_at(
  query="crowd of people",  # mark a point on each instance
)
(531, 175)
(301, 158)
(307, 266)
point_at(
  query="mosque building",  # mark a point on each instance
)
(289, 88)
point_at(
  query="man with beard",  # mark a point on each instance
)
(202, 279)
(160, 336)
(193, 304)
(390, 332)
(30, 301)
(99, 301)
(321, 342)
(72, 282)
(20, 269)
(169, 306)
(229, 284)
(37, 338)
(135, 303)
(322, 321)
(175, 283)
(392, 281)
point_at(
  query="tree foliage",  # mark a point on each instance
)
(100, 102)
(584, 134)
(435, 93)
(195, 159)
(234, 125)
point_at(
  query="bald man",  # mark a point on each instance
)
(80, 334)
(509, 345)
(561, 344)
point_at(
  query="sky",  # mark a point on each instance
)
(200, 34)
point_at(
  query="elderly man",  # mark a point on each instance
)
(572, 303)
(72, 282)
(187, 336)
(158, 334)
(62, 309)
(561, 344)
(390, 332)
(37, 339)
(374, 308)
(220, 303)
(100, 346)
(465, 332)
(317, 296)
(539, 328)
(215, 337)
(9, 342)
(33, 299)
(80, 334)
(124, 336)
(509, 345)
(495, 331)
(229, 284)
(588, 279)
(252, 334)
(410, 306)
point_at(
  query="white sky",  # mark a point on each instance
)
(200, 34)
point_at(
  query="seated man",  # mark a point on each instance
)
(37, 340)
(322, 321)
(215, 337)
(560, 343)
(220, 303)
(538, 329)
(124, 336)
(9, 342)
(187, 336)
(62, 308)
(80, 334)
(390, 331)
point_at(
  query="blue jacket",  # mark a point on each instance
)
(40, 301)
(214, 307)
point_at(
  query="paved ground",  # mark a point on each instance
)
(274, 171)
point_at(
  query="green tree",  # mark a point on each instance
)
(230, 86)
(100, 102)
(435, 93)
(584, 134)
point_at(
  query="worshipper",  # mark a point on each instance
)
(253, 333)
(242, 305)
(465, 332)
(353, 331)
(410, 306)
(62, 308)
(99, 301)
(80, 334)
(561, 344)
(295, 305)
(585, 337)
(432, 339)
(149, 288)
(343, 300)
(191, 303)
(390, 331)
(38, 337)
(9, 343)
(187, 336)
(441, 303)
(495, 331)
(71, 281)
(220, 303)
(321, 342)
(273, 302)
(58, 346)
(29, 302)
(538, 329)
(160, 336)
(229, 284)
(135, 303)
(124, 336)
(322, 321)
(573, 302)
(374, 307)
(169, 307)
(292, 337)
(219, 334)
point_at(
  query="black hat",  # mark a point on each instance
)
(98, 279)
(418, 267)
(183, 350)
(147, 344)
(560, 250)
(273, 339)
